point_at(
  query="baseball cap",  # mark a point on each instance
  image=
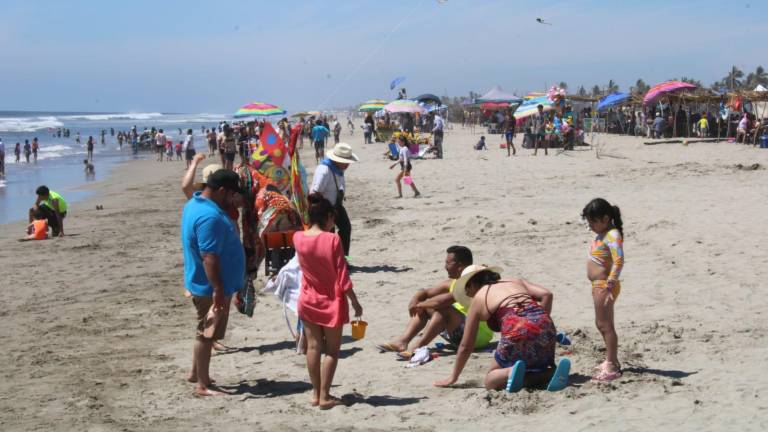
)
(225, 178)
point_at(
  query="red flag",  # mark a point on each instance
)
(272, 144)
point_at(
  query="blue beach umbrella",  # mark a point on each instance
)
(396, 82)
(612, 100)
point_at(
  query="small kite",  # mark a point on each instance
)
(541, 21)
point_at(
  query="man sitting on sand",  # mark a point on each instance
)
(435, 311)
(53, 207)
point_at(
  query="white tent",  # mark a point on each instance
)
(497, 94)
(760, 109)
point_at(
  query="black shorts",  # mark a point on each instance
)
(190, 154)
(319, 145)
(230, 156)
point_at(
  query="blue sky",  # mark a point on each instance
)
(213, 56)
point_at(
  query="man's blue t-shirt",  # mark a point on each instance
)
(206, 229)
(319, 133)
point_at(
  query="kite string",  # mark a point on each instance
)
(371, 54)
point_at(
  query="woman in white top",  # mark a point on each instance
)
(404, 159)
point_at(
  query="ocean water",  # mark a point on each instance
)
(60, 160)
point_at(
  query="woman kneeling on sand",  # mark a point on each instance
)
(519, 310)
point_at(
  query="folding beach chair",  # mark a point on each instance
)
(278, 246)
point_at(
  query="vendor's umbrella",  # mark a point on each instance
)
(259, 109)
(372, 105)
(530, 107)
(428, 98)
(404, 106)
(301, 114)
(612, 100)
(667, 87)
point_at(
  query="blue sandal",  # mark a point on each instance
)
(559, 379)
(516, 376)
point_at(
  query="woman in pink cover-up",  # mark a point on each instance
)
(322, 306)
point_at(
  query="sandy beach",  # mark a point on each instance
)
(98, 335)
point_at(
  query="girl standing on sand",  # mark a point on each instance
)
(325, 288)
(606, 260)
(404, 159)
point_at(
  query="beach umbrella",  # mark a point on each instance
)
(372, 105)
(428, 98)
(492, 106)
(530, 107)
(612, 100)
(404, 106)
(301, 114)
(396, 82)
(433, 107)
(259, 109)
(497, 94)
(667, 87)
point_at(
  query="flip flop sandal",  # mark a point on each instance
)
(559, 379)
(605, 376)
(404, 355)
(386, 347)
(516, 377)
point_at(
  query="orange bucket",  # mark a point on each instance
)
(358, 329)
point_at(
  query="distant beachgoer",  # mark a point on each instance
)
(77, 138)
(658, 126)
(54, 208)
(481, 144)
(17, 152)
(35, 148)
(510, 123)
(434, 311)
(38, 228)
(179, 148)
(111, 131)
(606, 260)
(90, 170)
(329, 181)
(103, 133)
(2, 159)
(336, 131)
(189, 147)
(229, 145)
(214, 267)
(741, 130)
(540, 121)
(319, 135)
(404, 159)
(350, 126)
(27, 150)
(325, 289)
(160, 145)
(437, 134)
(703, 126)
(120, 140)
(211, 137)
(520, 311)
(89, 145)
(169, 150)
(367, 134)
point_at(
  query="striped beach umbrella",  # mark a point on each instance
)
(372, 105)
(657, 91)
(404, 106)
(259, 109)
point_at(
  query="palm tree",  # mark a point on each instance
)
(641, 87)
(758, 77)
(563, 85)
(582, 91)
(612, 87)
(733, 80)
(596, 91)
(695, 82)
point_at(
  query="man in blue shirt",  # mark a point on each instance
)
(319, 134)
(214, 266)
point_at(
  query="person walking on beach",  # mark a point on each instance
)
(509, 133)
(229, 147)
(35, 148)
(77, 138)
(606, 260)
(2, 159)
(404, 159)
(120, 140)
(319, 135)
(214, 267)
(437, 134)
(434, 311)
(336, 130)
(17, 152)
(27, 150)
(189, 147)
(210, 136)
(53, 207)
(103, 134)
(325, 289)
(539, 126)
(89, 145)
(160, 145)
(329, 181)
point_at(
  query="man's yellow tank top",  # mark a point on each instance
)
(484, 334)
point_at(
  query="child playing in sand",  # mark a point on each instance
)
(38, 229)
(481, 144)
(325, 288)
(606, 260)
(404, 159)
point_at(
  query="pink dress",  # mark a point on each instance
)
(324, 281)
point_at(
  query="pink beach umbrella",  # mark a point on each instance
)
(659, 90)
